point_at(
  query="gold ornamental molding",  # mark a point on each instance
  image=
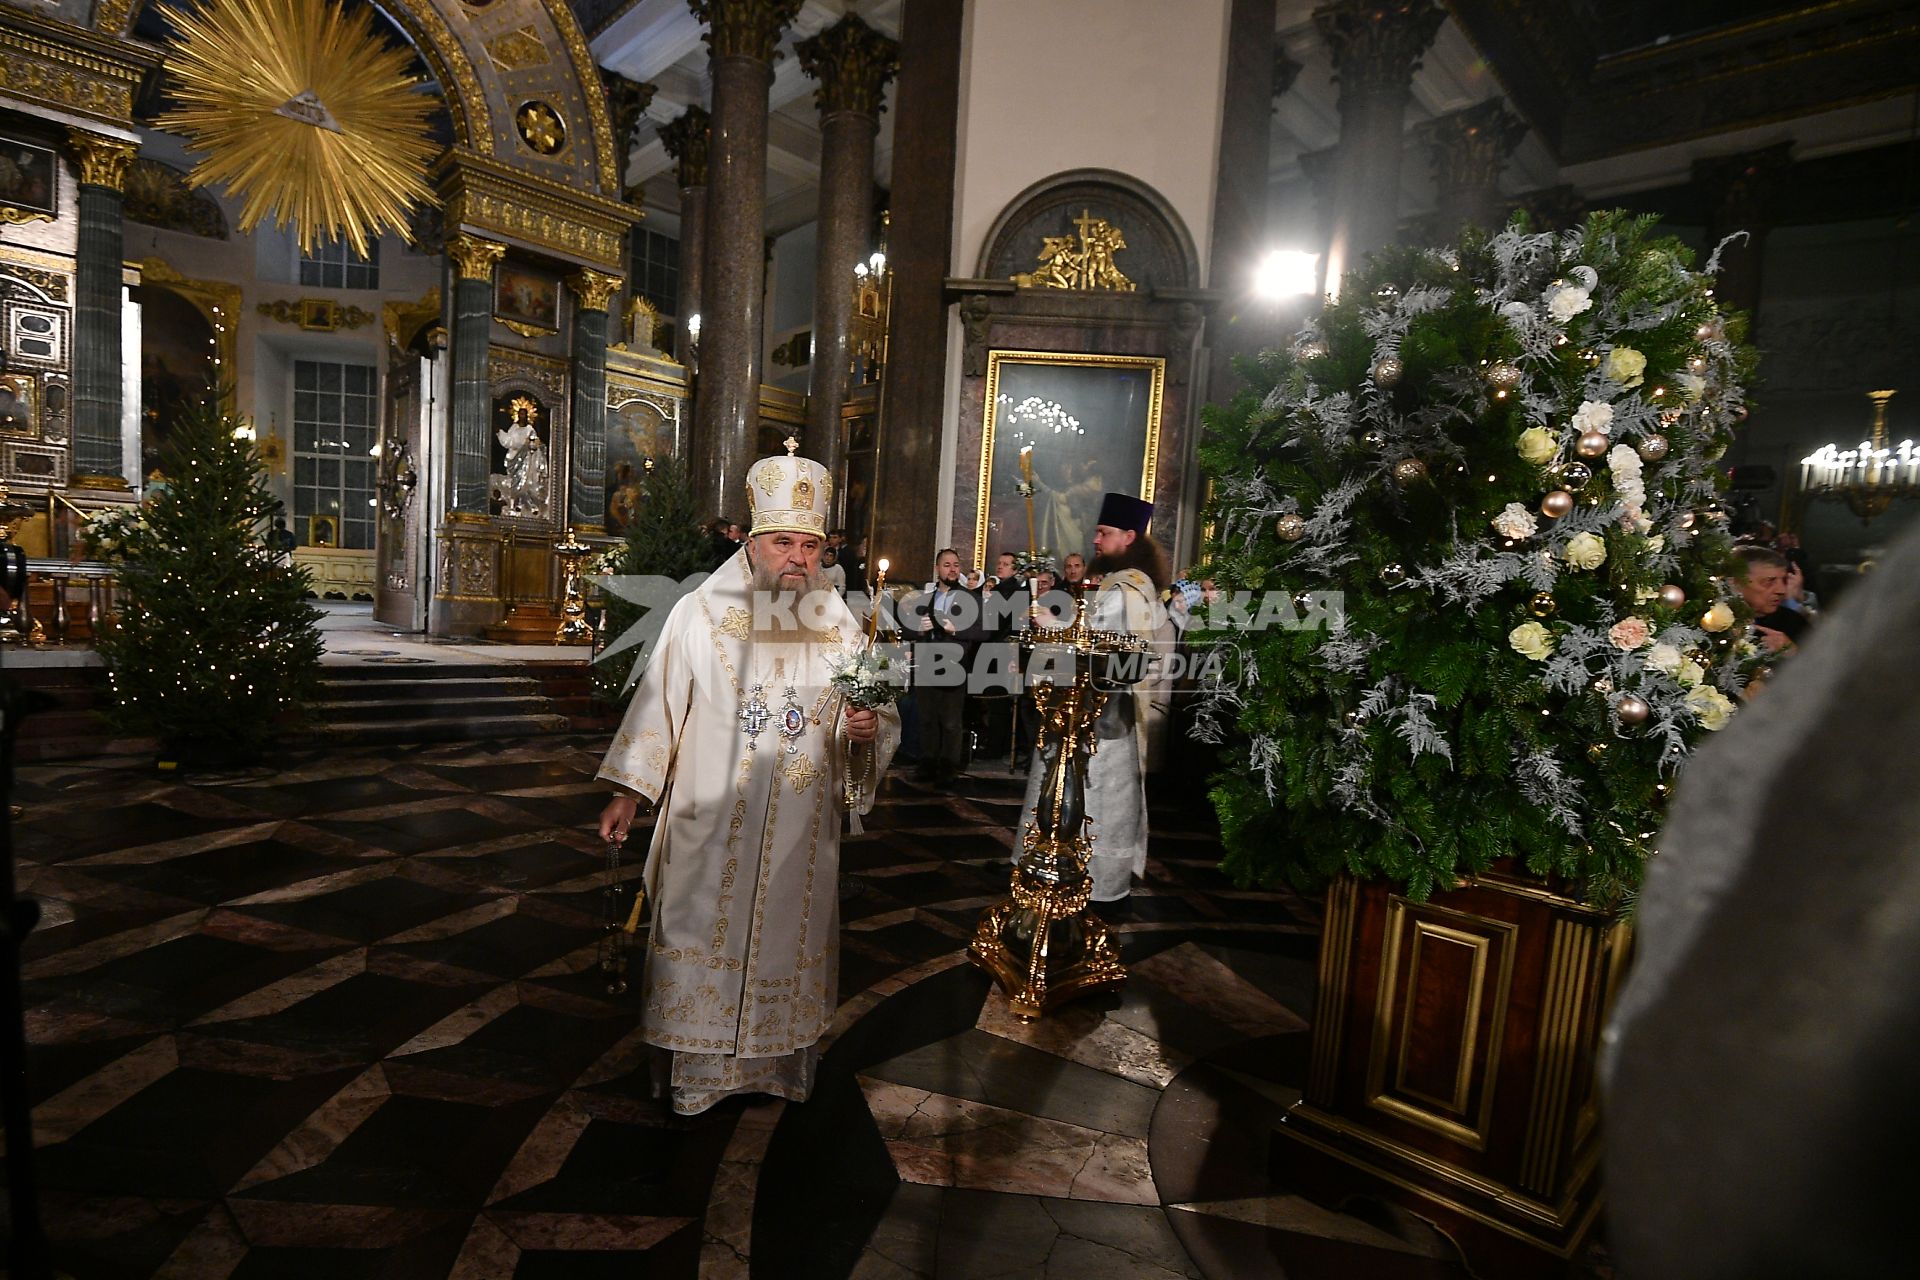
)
(65, 68)
(316, 315)
(113, 17)
(611, 158)
(744, 28)
(487, 197)
(595, 289)
(1088, 265)
(13, 216)
(219, 302)
(404, 320)
(474, 258)
(103, 161)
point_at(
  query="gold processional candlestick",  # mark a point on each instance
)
(873, 612)
(1041, 944)
(1026, 478)
(574, 627)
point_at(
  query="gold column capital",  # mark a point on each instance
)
(744, 28)
(685, 138)
(594, 288)
(853, 63)
(474, 258)
(103, 160)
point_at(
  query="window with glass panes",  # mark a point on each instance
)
(334, 416)
(336, 266)
(656, 269)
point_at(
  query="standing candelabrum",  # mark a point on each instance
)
(574, 627)
(1041, 944)
(13, 568)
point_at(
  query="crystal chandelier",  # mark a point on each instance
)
(1869, 477)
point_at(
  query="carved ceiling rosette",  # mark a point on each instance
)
(685, 138)
(853, 64)
(1377, 44)
(744, 28)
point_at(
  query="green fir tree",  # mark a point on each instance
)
(1495, 466)
(664, 539)
(215, 645)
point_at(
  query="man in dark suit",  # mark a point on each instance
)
(944, 623)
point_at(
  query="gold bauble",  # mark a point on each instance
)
(1290, 527)
(1502, 376)
(1592, 444)
(1543, 605)
(1312, 349)
(1409, 471)
(1672, 596)
(1556, 504)
(1574, 475)
(1388, 372)
(1632, 709)
(1392, 575)
(1654, 447)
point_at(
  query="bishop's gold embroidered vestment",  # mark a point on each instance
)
(742, 963)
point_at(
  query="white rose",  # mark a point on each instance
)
(1531, 640)
(1626, 366)
(1585, 551)
(1664, 657)
(1692, 386)
(1690, 673)
(1656, 544)
(1538, 445)
(1565, 304)
(1717, 618)
(1515, 521)
(1713, 707)
(1593, 415)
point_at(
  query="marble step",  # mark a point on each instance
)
(408, 689)
(363, 710)
(445, 729)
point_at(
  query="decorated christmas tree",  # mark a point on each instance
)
(1499, 462)
(215, 645)
(663, 540)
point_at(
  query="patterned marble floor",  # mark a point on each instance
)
(344, 1019)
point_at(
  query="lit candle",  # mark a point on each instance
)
(1026, 475)
(879, 592)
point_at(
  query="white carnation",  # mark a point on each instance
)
(1663, 657)
(1593, 415)
(1567, 303)
(1515, 521)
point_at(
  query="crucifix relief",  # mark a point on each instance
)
(1086, 265)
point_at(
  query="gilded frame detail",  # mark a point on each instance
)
(1138, 381)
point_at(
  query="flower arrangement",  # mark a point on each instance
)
(1492, 455)
(870, 677)
(111, 531)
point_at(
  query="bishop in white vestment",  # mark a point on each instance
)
(735, 735)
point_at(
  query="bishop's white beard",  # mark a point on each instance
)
(780, 607)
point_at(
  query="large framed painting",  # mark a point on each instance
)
(526, 299)
(1088, 423)
(29, 182)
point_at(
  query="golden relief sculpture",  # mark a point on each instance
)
(510, 201)
(595, 289)
(316, 315)
(1087, 265)
(517, 50)
(305, 112)
(474, 258)
(102, 160)
(69, 68)
(541, 127)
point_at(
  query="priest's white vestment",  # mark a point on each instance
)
(742, 962)
(1116, 774)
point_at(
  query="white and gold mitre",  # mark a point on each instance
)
(789, 494)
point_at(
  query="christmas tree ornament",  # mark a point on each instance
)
(1387, 372)
(1632, 709)
(1543, 605)
(1672, 596)
(1302, 602)
(1654, 447)
(1592, 444)
(1311, 349)
(1574, 475)
(1596, 751)
(1354, 720)
(1556, 504)
(1374, 439)
(1392, 575)
(1387, 296)
(1686, 520)
(1501, 376)
(1409, 471)
(1602, 684)
(1290, 527)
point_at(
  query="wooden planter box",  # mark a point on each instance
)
(1452, 1064)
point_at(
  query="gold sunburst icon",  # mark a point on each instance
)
(302, 111)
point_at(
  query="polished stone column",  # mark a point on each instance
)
(473, 261)
(1376, 47)
(1468, 149)
(685, 139)
(853, 63)
(1239, 326)
(1741, 191)
(587, 486)
(741, 35)
(97, 354)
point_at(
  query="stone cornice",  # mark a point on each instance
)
(489, 198)
(853, 64)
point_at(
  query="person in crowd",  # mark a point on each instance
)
(1764, 586)
(1133, 572)
(1799, 599)
(734, 735)
(721, 546)
(1075, 569)
(943, 622)
(831, 570)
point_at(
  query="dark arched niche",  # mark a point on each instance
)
(1159, 253)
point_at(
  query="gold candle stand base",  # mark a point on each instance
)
(1044, 948)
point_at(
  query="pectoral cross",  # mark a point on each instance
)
(754, 716)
